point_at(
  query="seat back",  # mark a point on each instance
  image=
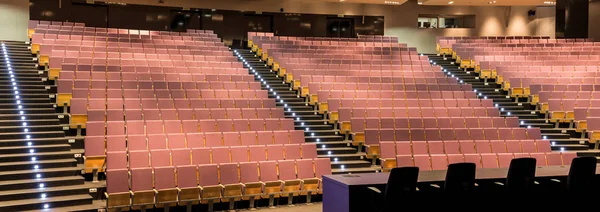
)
(401, 183)
(581, 174)
(521, 174)
(460, 177)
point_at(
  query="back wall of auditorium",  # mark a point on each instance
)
(399, 20)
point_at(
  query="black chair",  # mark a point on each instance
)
(460, 178)
(401, 183)
(581, 174)
(521, 175)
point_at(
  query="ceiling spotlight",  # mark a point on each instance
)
(451, 2)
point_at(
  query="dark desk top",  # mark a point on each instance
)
(440, 176)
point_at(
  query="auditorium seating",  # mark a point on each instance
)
(410, 103)
(174, 113)
(556, 75)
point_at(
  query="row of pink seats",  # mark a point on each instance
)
(155, 126)
(367, 73)
(335, 104)
(193, 179)
(185, 80)
(148, 93)
(346, 114)
(214, 155)
(384, 86)
(374, 136)
(359, 124)
(581, 113)
(306, 79)
(189, 140)
(587, 85)
(158, 85)
(190, 114)
(337, 94)
(80, 106)
(182, 114)
(487, 160)
(391, 149)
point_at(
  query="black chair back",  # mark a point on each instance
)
(460, 177)
(401, 183)
(581, 174)
(521, 175)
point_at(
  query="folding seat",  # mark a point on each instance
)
(176, 141)
(504, 159)
(511, 121)
(543, 146)
(200, 155)
(160, 157)
(498, 146)
(432, 134)
(467, 147)
(257, 125)
(244, 103)
(157, 141)
(444, 122)
(114, 143)
(296, 137)
(207, 126)
(202, 113)
(257, 153)
(239, 154)
(460, 122)
(272, 124)
(172, 126)
(513, 146)
(118, 188)
(532, 133)
(567, 157)
(422, 161)
(213, 139)
(490, 134)
(224, 125)
(488, 160)
(218, 113)
(281, 137)
(418, 135)
(181, 157)
(208, 180)
(418, 147)
(455, 158)
(453, 147)
(505, 133)
(268, 175)
(439, 162)
(185, 114)
(540, 158)
(189, 126)
(249, 113)
(405, 160)
(136, 142)
(275, 152)
(154, 127)
(292, 151)
(528, 146)
(231, 139)
(436, 147)
(248, 138)
(520, 134)
(118, 128)
(138, 159)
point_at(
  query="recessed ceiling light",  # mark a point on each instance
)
(549, 2)
(420, 3)
(451, 2)
(392, 2)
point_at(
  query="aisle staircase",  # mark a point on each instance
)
(563, 137)
(39, 166)
(345, 158)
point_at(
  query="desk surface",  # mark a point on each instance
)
(440, 176)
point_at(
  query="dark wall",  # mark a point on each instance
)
(572, 18)
(228, 24)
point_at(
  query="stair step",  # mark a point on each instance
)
(50, 202)
(356, 170)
